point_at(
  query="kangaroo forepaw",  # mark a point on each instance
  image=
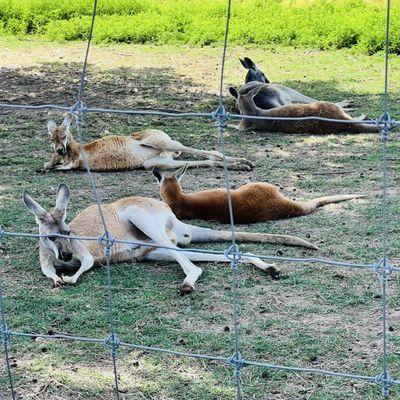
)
(47, 166)
(68, 279)
(58, 283)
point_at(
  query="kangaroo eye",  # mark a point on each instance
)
(52, 238)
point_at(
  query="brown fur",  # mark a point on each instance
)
(253, 202)
(319, 109)
(146, 149)
(133, 219)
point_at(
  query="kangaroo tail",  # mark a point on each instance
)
(207, 235)
(311, 205)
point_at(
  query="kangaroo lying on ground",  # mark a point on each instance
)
(149, 148)
(133, 219)
(320, 109)
(254, 202)
(272, 95)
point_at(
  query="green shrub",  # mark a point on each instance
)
(320, 24)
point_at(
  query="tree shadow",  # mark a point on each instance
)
(150, 89)
(145, 88)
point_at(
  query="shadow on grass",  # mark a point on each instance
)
(146, 88)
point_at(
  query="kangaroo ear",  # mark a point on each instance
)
(234, 92)
(180, 172)
(249, 64)
(62, 201)
(51, 126)
(67, 122)
(157, 173)
(34, 207)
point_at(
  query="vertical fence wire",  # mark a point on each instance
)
(5, 338)
(112, 340)
(233, 253)
(385, 376)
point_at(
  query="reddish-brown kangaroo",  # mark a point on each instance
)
(321, 109)
(254, 202)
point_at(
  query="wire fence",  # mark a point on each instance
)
(382, 267)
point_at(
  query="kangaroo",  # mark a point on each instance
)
(135, 219)
(251, 203)
(145, 149)
(319, 109)
(272, 95)
(254, 74)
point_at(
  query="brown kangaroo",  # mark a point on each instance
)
(146, 149)
(253, 202)
(134, 219)
(318, 109)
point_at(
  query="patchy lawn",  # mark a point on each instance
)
(315, 316)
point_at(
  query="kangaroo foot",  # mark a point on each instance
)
(185, 288)
(345, 104)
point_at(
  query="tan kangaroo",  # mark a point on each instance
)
(148, 148)
(318, 109)
(133, 219)
(254, 202)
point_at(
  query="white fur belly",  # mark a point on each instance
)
(141, 152)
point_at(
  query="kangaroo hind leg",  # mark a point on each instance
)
(155, 226)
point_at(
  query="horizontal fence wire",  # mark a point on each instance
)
(383, 267)
(218, 358)
(312, 260)
(379, 121)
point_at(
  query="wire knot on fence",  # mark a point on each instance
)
(112, 341)
(385, 381)
(383, 266)
(6, 333)
(78, 108)
(233, 253)
(221, 116)
(108, 241)
(386, 123)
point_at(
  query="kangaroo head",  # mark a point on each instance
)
(253, 73)
(53, 223)
(60, 135)
(245, 101)
(170, 186)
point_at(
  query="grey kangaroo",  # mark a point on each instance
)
(271, 95)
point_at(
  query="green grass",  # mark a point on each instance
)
(317, 24)
(315, 316)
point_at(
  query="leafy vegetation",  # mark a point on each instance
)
(319, 24)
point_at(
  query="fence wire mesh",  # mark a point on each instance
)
(382, 267)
